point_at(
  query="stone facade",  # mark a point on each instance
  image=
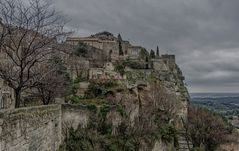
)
(107, 43)
(134, 51)
(106, 73)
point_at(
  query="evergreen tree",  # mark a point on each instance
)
(152, 54)
(121, 53)
(143, 54)
(157, 53)
(147, 62)
(81, 50)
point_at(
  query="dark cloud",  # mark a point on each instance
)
(202, 33)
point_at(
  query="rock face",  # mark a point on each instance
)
(43, 128)
(184, 144)
(135, 100)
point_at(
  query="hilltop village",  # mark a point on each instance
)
(105, 57)
(110, 80)
(94, 93)
(98, 93)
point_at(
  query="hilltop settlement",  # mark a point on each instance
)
(94, 93)
(103, 71)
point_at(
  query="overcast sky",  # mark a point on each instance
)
(203, 34)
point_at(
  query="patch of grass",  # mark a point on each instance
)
(74, 99)
(120, 109)
(104, 110)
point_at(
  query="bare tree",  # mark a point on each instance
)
(163, 103)
(206, 128)
(30, 29)
(53, 83)
(79, 66)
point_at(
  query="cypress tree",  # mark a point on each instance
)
(152, 54)
(147, 62)
(121, 53)
(157, 53)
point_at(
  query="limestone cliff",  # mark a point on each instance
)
(129, 105)
(133, 105)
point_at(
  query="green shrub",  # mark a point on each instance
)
(99, 89)
(134, 64)
(104, 128)
(121, 110)
(112, 147)
(133, 76)
(81, 50)
(168, 133)
(120, 68)
(198, 149)
(171, 148)
(73, 99)
(104, 110)
(75, 85)
(143, 54)
(77, 140)
(92, 108)
(73, 141)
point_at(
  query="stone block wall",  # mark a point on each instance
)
(31, 129)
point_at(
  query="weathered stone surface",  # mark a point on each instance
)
(39, 128)
(74, 116)
(31, 129)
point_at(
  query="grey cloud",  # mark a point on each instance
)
(202, 33)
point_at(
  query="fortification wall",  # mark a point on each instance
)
(31, 129)
(39, 128)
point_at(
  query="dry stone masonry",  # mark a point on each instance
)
(38, 128)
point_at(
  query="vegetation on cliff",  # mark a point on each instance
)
(112, 125)
(207, 129)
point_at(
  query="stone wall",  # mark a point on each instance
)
(31, 129)
(74, 116)
(39, 128)
(6, 95)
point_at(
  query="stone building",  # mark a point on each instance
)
(169, 60)
(108, 43)
(164, 62)
(106, 73)
(159, 64)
